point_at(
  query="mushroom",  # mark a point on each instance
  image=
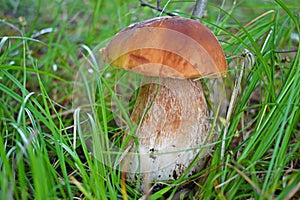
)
(170, 109)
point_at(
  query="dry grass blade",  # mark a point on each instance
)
(248, 61)
(258, 190)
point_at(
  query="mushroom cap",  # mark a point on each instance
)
(167, 47)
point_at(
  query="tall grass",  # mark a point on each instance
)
(43, 144)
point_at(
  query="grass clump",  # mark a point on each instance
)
(43, 148)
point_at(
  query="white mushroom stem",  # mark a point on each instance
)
(173, 126)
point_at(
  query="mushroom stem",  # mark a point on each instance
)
(173, 125)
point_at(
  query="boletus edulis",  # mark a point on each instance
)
(170, 109)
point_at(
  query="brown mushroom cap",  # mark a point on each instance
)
(167, 47)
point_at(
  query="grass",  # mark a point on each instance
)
(44, 153)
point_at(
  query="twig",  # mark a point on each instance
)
(199, 9)
(158, 3)
(286, 51)
(143, 3)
